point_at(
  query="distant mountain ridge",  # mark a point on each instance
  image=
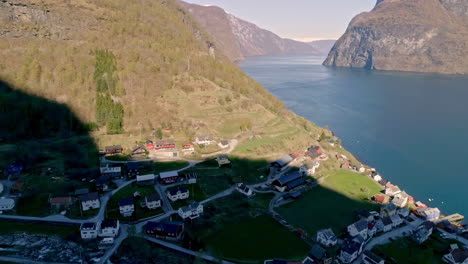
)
(238, 38)
(323, 46)
(410, 35)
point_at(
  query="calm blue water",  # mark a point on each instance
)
(412, 127)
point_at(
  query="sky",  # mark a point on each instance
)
(304, 20)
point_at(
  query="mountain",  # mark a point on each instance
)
(238, 38)
(129, 68)
(323, 46)
(409, 35)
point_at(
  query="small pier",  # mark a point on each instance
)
(452, 218)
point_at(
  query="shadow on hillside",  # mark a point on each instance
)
(51, 144)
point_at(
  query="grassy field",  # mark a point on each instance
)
(406, 251)
(332, 204)
(9, 227)
(256, 239)
(112, 210)
(169, 166)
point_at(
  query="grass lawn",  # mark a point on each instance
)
(33, 205)
(196, 194)
(118, 157)
(406, 251)
(332, 204)
(256, 239)
(112, 210)
(9, 227)
(169, 166)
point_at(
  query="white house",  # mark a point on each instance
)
(396, 220)
(6, 204)
(90, 201)
(326, 237)
(309, 168)
(191, 211)
(400, 199)
(126, 206)
(180, 193)
(152, 201)
(358, 228)
(457, 256)
(89, 230)
(244, 189)
(377, 177)
(392, 190)
(370, 258)
(109, 228)
(350, 251)
(204, 140)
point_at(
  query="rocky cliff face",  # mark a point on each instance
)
(410, 35)
(238, 38)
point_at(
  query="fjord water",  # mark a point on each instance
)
(412, 127)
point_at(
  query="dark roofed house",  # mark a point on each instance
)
(139, 150)
(172, 231)
(314, 152)
(90, 201)
(319, 254)
(283, 161)
(289, 181)
(126, 206)
(80, 192)
(350, 251)
(61, 203)
(116, 149)
(457, 256)
(102, 183)
(152, 201)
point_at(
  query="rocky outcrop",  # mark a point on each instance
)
(410, 35)
(238, 38)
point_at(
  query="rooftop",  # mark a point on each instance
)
(126, 201)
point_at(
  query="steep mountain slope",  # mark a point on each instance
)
(126, 68)
(323, 46)
(411, 35)
(238, 38)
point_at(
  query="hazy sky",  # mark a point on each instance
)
(297, 19)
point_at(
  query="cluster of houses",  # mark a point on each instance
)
(87, 201)
(105, 229)
(127, 204)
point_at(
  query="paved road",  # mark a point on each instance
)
(186, 251)
(219, 195)
(454, 236)
(122, 235)
(232, 145)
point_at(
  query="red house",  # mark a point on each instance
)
(164, 144)
(149, 145)
(114, 149)
(314, 152)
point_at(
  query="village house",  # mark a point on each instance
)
(319, 255)
(191, 211)
(126, 206)
(387, 224)
(90, 201)
(113, 172)
(326, 237)
(223, 161)
(179, 193)
(204, 140)
(400, 199)
(6, 204)
(282, 162)
(149, 145)
(164, 144)
(309, 168)
(244, 189)
(60, 203)
(152, 201)
(88, 230)
(143, 180)
(388, 210)
(396, 220)
(164, 230)
(423, 232)
(365, 215)
(313, 152)
(190, 177)
(403, 212)
(117, 149)
(370, 258)
(133, 169)
(358, 228)
(169, 177)
(308, 260)
(428, 213)
(350, 251)
(456, 256)
(381, 198)
(392, 190)
(102, 183)
(377, 177)
(109, 228)
(379, 225)
(188, 148)
(371, 229)
(289, 181)
(139, 150)
(223, 144)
